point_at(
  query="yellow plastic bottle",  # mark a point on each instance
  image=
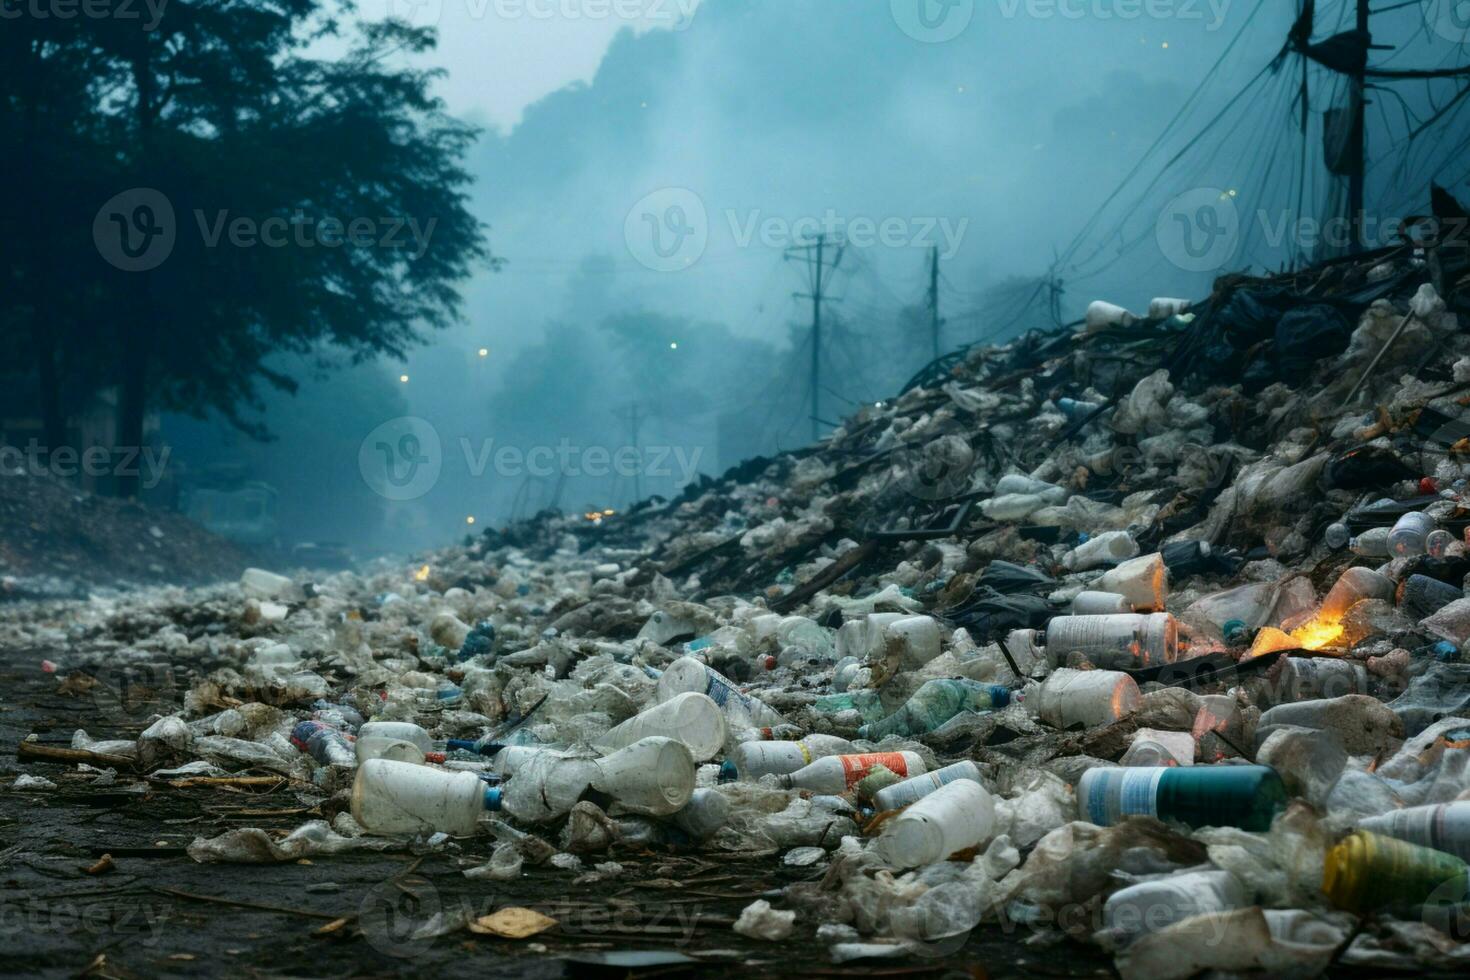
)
(1367, 871)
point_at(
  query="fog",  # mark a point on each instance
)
(645, 178)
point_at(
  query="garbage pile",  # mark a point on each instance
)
(1148, 634)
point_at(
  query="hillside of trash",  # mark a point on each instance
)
(1145, 636)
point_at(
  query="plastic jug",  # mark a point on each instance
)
(915, 788)
(691, 718)
(1086, 697)
(953, 818)
(752, 760)
(402, 798)
(1128, 641)
(1143, 581)
(1247, 797)
(840, 773)
(654, 775)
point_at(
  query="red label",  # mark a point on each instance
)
(856, 767)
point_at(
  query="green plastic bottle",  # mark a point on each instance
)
(1247, 797)
(866, 703)
(935, 703)
(1367, 871)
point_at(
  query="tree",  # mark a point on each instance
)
(264, 200)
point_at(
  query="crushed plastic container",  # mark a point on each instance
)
(1086, 697)
(953, 818)
(1247, 797)
(936, 702)
(323, 743)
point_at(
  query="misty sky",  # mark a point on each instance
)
(655, 168)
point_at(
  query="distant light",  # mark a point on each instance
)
(403, 378)
(422, 574)
(470, 519)
(484, 352)
(609, 512)
(1166, 44)
(673, 345)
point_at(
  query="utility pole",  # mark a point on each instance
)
(934, 320)
(815, 256)
(635, 420)
(1357, 180)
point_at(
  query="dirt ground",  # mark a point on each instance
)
(158, 913)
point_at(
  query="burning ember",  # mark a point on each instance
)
(1316, 634)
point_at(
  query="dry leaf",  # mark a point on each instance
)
(512, 923)
(331, 927)
(104, 863)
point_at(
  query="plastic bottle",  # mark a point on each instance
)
(323, 743)
(379, 732)
(936, 702)
(1108, 548)
(1075, 409)
(1020, 483)
(1437, 543)
(1310, 678)
(1100, 604)
(865, 701)
(1367, 871)
(1012, 506)
(1441, 826)
(839, 773)
(1199, 796)
(752, 760)
(402, 798)
(653, 775)
(954, 817)
(1143, 581)
(1407, 537)
(1420, 596)
(915, 788)
(508, 758)
(1372, 543)
(1128, 641)
(1086, 697)
(1352, 587)
(691, 718)
(707, 812)
(1151, 905)
(844, 672)
(1337, 535)
(1148, 753)
(688, 674)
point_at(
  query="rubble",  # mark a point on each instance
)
(1075, 636)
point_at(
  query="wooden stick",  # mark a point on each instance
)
(36, 752)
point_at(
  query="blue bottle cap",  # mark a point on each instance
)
(728, 774)
(1000, 695)
(492, 797)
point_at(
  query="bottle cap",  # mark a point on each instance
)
(492, 798)
(728, 773)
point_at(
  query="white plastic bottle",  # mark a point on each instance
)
(1143, 581)
(1372, 543)
(840, 773)
(1013, 483)
(752, 760)
(1012, 506)
(691, 718)
(1130, 641)
(402, 798)
(405, 730)
(952, 818)
(1407, 538)
(1442, 826)
(1151, 905)
(1086, 697)
(1108, 548)
(396, 749)
(512, 757)
(688, 674)
(1100, 604)
(707, 812)
(654, 775)
(915, 788)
